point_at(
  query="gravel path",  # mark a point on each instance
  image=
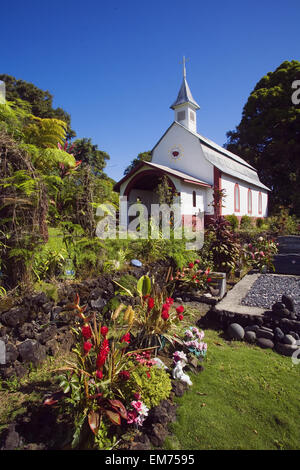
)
(268, 289)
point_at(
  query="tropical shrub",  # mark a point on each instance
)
(246, 222)
(191, 277)
(94, 381)
(260, 255)
(154, 319)
(233, 220)
(147, 381)
(224, 246)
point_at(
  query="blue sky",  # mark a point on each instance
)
(116, 66)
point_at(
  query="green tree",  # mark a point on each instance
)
(89, 154)
(41, 101)
(268, 136)
(142, 157)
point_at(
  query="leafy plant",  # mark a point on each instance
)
(224, 247)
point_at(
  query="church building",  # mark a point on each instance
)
(194, 166)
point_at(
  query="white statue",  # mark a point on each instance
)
(180, 361)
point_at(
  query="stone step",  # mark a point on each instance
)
(288, 263)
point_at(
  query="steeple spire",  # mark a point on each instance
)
(184, 69)
(185, 105)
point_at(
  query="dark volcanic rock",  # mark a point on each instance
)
(14, 317)
(265, 334)
(288, 339)
(11, 353)
(26, 331)
(157, 434)
(288, 302)
(31, 351)
(278, 334)
(265, 343)
(250, 336)
(286, 349)
(179, 387)
(236, 331)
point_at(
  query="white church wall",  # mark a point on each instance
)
(192, 160)
(187, 199)
(228, 183)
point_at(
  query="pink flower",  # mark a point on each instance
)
(132, 416)
(261, 253)
(197, 261)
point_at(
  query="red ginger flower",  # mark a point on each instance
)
(150, 303)
(166, 307)
(86, 332)
(104, 350)
(180, 309)
(180, 317)
(126, 338)
(124, 375)
(170, 300)
(87, 346)
(104, 330)
(191, 265)
(165, 315)
(99, 374)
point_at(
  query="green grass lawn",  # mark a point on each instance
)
(246, 398)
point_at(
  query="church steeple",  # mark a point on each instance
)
(185, 106)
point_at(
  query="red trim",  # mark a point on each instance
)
(236, 200)
(259, 203)
(194, 182)
(157, 173)
(218, 186)
(140, 164)
(248, 205)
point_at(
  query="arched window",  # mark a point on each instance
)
(249, 201)
(259, 203)
(236, 198)
(194, 199)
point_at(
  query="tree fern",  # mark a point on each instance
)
(45, 132)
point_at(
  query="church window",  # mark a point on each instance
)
(194, 199)
(259, 203)
(192, 116)
(249, 201)
(236, 198)
(181, 116)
